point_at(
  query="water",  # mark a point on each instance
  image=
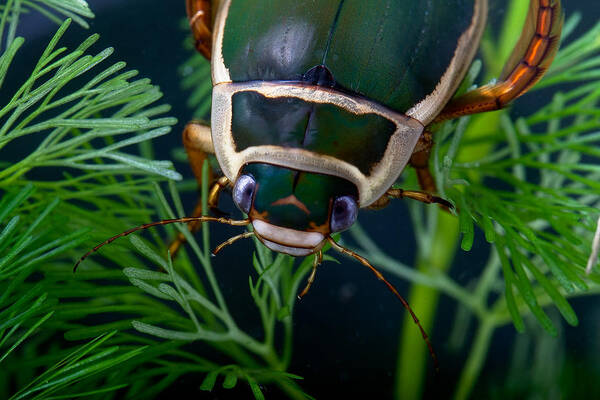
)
(346, 329)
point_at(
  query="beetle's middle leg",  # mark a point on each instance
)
(423, 197)
(420, 161)
(198, 145)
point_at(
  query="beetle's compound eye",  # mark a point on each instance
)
(243, 192)
(343, 214)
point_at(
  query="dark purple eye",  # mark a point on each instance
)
(243, 192)
(343, 214)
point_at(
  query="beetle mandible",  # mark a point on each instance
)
(318, 106)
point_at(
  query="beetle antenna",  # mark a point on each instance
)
(185, 220)
(231, 241)
(391, 287)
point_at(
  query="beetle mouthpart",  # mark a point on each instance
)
(289, 241)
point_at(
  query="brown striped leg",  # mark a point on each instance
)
(311, 278)
(232, 240)
(197, 141)
(423, 197)
(528, 62)
(420, 161)
(213, 201)
(199, 14)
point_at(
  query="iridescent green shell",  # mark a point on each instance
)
(391, 51)
(341, 88)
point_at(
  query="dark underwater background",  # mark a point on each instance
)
(347, 327)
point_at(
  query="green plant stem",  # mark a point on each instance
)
(477, 355)
(410, 372)
(292, 390)
(483, 337)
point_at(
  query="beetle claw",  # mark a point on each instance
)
(444, 203)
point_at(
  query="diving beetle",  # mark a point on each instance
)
(318, 106)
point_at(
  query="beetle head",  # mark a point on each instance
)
(292, 211)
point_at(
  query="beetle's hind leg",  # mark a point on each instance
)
(199, 14)
(198, 145)
(528, 62)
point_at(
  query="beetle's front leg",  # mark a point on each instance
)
(197, 141)
(213, 201)
(198, 144)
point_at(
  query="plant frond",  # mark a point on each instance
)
(538, 199)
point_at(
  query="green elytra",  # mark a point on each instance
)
(393, 52)
(345, 50)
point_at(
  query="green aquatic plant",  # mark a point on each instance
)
(531, 184)
(135, 320)
(82, 133)
(76, 113)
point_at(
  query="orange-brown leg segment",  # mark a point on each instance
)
(232, 240)
(420, 162)
(197, 141)
(194, 226)
(199, 13)
(423, 197)
(311, 278)
(528, 62)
